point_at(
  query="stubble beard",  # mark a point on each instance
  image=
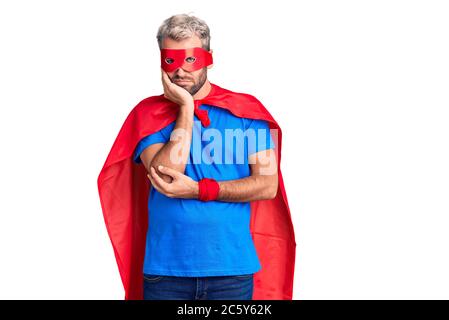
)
(198, 85)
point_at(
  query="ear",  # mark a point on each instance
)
(211, 52)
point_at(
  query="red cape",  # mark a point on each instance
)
(124, 187)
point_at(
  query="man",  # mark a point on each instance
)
(204, 187)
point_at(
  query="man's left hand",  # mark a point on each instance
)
(181, 185)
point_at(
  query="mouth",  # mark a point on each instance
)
(182, 81)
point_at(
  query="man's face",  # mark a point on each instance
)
(191, 81)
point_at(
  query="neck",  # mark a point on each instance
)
(204, 91)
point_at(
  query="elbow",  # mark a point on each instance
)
(155, 165)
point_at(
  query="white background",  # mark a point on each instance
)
(360, 89)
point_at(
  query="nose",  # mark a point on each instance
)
(180, 72)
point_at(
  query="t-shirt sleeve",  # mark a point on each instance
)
(263, 139)
(161, 136)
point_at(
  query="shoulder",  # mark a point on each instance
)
(149, 102)
(151, 107)
(237, 95)
(244, 105)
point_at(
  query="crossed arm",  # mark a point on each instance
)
(175, 152)
(262, 184)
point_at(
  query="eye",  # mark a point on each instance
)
(190, 59)
(169, 60)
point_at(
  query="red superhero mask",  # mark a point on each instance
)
(190, 59)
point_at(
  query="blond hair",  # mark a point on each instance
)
(183, 26)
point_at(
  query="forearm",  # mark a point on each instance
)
(175, 153)
(255, 187)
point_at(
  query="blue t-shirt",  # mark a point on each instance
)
(192, 238)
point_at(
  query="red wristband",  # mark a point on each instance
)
(208, 189)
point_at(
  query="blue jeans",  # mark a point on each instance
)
(157, 287)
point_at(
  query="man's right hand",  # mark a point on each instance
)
(175, 93)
